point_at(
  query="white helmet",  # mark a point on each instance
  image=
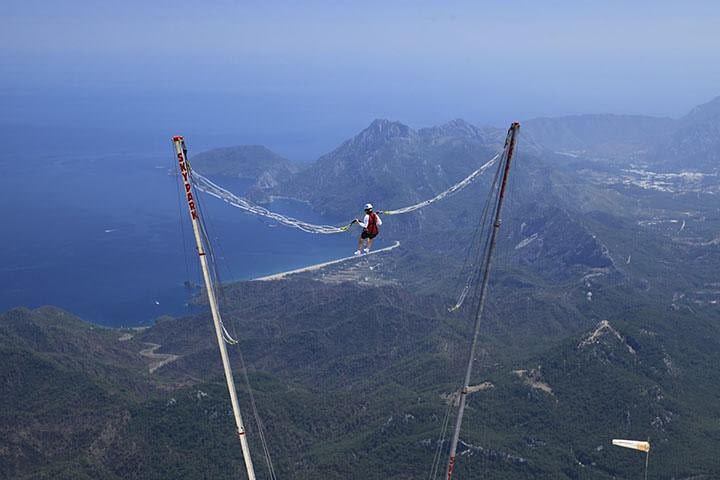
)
(368, 206)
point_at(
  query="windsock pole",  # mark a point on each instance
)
(510, 143)
(181, 153)
(636, 445)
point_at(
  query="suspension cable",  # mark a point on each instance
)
(206, 185)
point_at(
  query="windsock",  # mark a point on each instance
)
(634, 444)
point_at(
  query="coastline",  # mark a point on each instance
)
(318, 266)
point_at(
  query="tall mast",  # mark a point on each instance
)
(181, 152)
(509, 151)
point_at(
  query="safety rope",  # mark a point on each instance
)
(212, 266)
(473, 254)
(437, 457)
(258, 420)
(440, 196)
(206, 185)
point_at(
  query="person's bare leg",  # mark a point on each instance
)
(360, 244)
(370, 240)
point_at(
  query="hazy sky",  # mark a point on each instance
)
(301, 76)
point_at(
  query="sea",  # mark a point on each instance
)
(106, 236)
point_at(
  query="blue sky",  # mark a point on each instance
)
(301, 76)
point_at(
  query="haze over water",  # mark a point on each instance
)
(300, 77)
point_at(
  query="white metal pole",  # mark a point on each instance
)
(184, 166)
(510, 148)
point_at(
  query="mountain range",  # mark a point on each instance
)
(395, 164)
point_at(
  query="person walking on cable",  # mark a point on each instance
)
(371, 227)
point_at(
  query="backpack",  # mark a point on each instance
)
(372, 226)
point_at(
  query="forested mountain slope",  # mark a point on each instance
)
(603, 322)
(352, 382)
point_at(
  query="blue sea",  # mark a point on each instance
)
(106, 237)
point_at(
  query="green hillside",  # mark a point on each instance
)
(603, 322)
(351, 383)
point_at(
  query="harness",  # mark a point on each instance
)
(372, 227)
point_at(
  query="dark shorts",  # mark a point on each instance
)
(365, 234)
